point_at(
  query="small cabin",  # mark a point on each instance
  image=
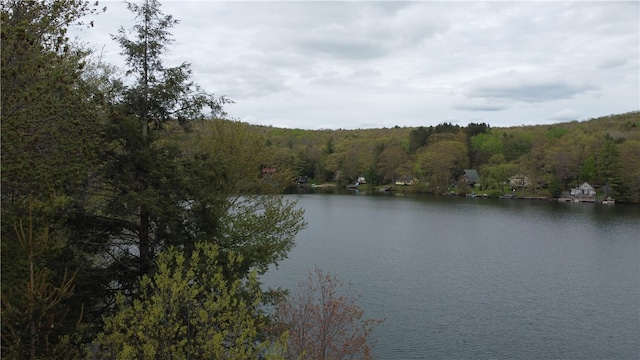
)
(405, 180)
(470, 177)
(584, 190)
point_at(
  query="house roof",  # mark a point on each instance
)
(472, 175)
(586, 186)
(405, 178)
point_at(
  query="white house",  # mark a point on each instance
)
(405, 180)
(584, 190)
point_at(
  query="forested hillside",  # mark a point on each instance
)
(552, 158)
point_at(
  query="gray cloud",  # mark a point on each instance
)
(612, 63)
(343, 48)
(527, 88)
(471, 105)
(354, 64)
(565, 115)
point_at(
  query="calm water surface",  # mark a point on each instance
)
(470, 278)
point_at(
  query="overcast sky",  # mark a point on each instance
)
(354, 64)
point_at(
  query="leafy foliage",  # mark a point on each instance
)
(171, 185)
(554, 158)
(440, 161)
(49, 130)
(108, 168)
(50, 136)
(187, 310)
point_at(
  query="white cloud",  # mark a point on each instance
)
(351, 64)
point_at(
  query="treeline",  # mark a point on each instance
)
(605, 152)
(135, 221)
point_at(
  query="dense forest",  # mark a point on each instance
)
(137, 219)
(605, 152)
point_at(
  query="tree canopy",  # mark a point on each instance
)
(116, 176)
(188, 310)
(556, 157)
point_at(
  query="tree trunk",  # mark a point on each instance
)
(145, 242)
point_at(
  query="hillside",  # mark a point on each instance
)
(553, 158)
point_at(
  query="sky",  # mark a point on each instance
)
(380, 64)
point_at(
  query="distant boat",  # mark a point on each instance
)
(609, 201)
(507, 196)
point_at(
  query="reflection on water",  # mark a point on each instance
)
(480, 278)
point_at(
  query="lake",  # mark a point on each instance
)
(474, 278)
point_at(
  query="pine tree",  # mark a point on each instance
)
(608, 165)
(35, 316)
(159, 192)
(50, 134)
(141, 169)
